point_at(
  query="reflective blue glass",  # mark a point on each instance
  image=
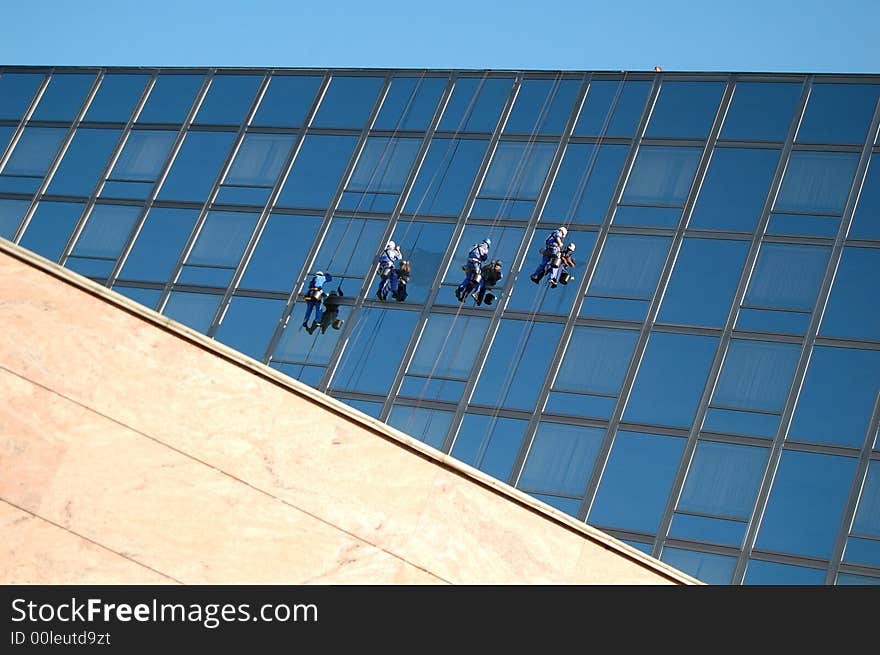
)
(661, 175)
(6, 132)
(286, 100)
(315, 174)
(146, 297)
(427, 425)
(803, 224)
(446, 176)
(853, 310)
(63, 98)
(575, 404)
(645, 548)
(712, 530)
(16, 93)
(866, 222)
(305, 373)
(297, 345)
(517, 364)
(195, 310)
(723, 480)
(772, 573)
(629, 266)
(837, 397)
(50, 227)
(838, 113)
(710, 568)
(703, 282)
(196, 166)
(348, 102)
(853, 579)
(596, 360)
(685, 109)
(756, 375)
(817, 182)
(475, 104)
(761, 111)
(568, 505)
(259, 159)
(373, 353)
(34, 151)
(349, 250)
(249, 324)
(518, 170)
(806, 504)
(380, 173)
(867, 520)
(634, 487)
(116, 98)
(410, 103)
(365, 406)
(11, 213)
(489, 443)
(105, 233)
(170, 98)
(84, 162)
(228, 99)
(448, 346)
(280, 253)
(612, 108)
(218, 248)
(561, 458)
(787, 276)
(647, 216)
(585, 183)
(732, 421)
(423, 245)
(671, 379)
(862, 551)
(158, 244)
(143, 155)
(735, 189)
(542, 106)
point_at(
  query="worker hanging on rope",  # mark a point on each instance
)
(313, 298)
(550, 253)
(478, 254)
(330, 316)
(399, 280)
(559, 272)
(491, 275)
(387, 269)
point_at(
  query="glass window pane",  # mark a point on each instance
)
(158, 244)
(636, 481)
(195, 310)
(315, 175)
(146, 297)
(348, 102)
(143, 156)
(259, 159)
(647, 216)
(625, 101)
(448, 346)
(365, 406)
(761, 111)
(106, 231)
(817, 182)
(710, 568)
(446, 176)
(585, 183)
(726, 532)
(35, 150)
(787, 276)
(249, 324)
(867, 521)
(350, 249)
(703, 282)
(866, 222)
(380, 174)
(280, 252)
(11, 213)
(475, 104)
(735, 189)
(542, 106)
(837, 398)
(116, 98)
(171, 98)
(427, 425)
(670, 380)
(84, 162)
(410, 103)
(63, 98)
(838, 113)
(196, 166)
(756, 375)
(297, 345)
(596, 360)
(228, 99)
(661, 175)
(517, 364)
(772, 573)
(307, 374)
(853, 310)
(685, 109)
(853, 579)
(723, 479)
(50, 227)
(818, 226)
(629, 266)
(16, 93)
(423, 245)
(517, 170)
(806, 504)
(561, 458)
(489, 443)
(6, 132)
(220, 244)
(287, 100)
(370, 362)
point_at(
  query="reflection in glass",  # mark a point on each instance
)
(560, 459)
(11, 213)
(16, 93)
(228, 99)
(195, 310)
(585, 183)
(773, 573)
(34, 151)
(756, 375)
(170, 98)
(427, 425)
(710, 568)
(542, 106)
(514, 178)
(347, 102)
(624, 101)
(50, 227)
(158, 244)
(249, 324)
(218, 248)
(475, 104)
(866, 222)
(723, 480)
(423, 245)
(817, 182)
(102, 239)
(445, 177)
(410, 103)
(761, 111)
(63, 98)
(661, 175)
(281, 250)
(196, 166)
(685, 109)
(853, 311)
(315, 174)
(287, 100)
(84, 162)
(116, 98)
(838, 113)
(380, 174)
(489, 443)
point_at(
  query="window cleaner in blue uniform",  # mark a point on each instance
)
(550, 252)
(473, 268)
(399, 280)
(387, 269)
(313, 298)
(330, 317)
(491, 276)
(559, 266)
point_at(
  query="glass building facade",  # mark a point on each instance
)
(705, 388)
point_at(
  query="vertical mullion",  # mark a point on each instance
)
(804, 360)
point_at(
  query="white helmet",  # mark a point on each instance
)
(391, 245)
(563, 231)
(570, 246)
(318, 273)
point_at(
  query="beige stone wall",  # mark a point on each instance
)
(134, 450)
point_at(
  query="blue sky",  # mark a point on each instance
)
(738, 35)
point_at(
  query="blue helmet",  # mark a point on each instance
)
(487, 241)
